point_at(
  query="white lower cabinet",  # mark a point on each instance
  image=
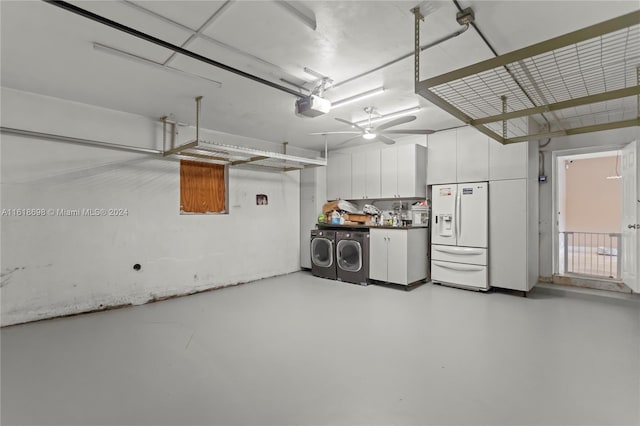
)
(398, 256)
(513, 234)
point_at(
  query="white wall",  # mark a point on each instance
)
(55, 265)
(613, 138)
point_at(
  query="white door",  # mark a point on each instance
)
(358, 175)
(443, 225)
(338, 185)
(508, 234)
(407, 171)
(378, 254)
(372, 168)
(473, 155)
(389, 174)
(441, 157)
(472, 215)
(630, 222)
(397, 257)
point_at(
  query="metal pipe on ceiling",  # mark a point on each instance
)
(139, 34)
(408, 55)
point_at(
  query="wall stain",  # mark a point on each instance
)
(5, 277)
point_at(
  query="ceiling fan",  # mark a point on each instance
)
(380, 132)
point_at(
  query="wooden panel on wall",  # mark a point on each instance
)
(202, 187)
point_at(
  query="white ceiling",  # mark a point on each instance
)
(47, 50)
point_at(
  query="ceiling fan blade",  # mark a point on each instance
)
(408, 132)
(336, 133)
(384, 139)
(396, 122)
(349, 140)
(350, 124)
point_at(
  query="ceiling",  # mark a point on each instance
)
(47, 50)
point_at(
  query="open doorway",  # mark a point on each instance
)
(588, 208)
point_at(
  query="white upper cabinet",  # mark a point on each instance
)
(365, 175)
(358, 175)
(373, 174)
(389, 173)
(395, 172)
(441, 158)
(508, 161)
(472, 163)
(403, 171)
(339, 176)
(457, 156)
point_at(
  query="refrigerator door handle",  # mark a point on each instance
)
(458, 250)
(458, 214)
(458, 266)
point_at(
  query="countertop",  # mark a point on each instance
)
(349, 226)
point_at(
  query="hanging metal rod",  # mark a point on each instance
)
(78, 141)
(408, 55)
(139, 34)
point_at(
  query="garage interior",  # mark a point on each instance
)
(163, 164)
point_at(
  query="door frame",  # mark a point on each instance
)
(555, 155)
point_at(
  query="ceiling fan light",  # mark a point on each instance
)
(389, 116)
(369, 136)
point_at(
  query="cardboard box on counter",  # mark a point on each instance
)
(360, 218)
(342, 205)
(330, 206)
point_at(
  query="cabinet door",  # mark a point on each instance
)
(373, 174)
(408, 185)
(389, 173)
(508, 234)
(358, 175)
(397, 257)
(441, 158)
(508, 161)
(378, 254)
(472, 149)
(339, 176)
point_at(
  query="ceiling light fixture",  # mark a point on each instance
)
(389, 116)
(369, 136)
(356, 98)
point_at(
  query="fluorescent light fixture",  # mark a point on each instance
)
(614, 177)
(389, 116)
(356, 98)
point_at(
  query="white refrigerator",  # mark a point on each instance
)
(459, 235)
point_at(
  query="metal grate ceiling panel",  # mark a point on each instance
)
(585, 80)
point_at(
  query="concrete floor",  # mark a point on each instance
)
(303, 350)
